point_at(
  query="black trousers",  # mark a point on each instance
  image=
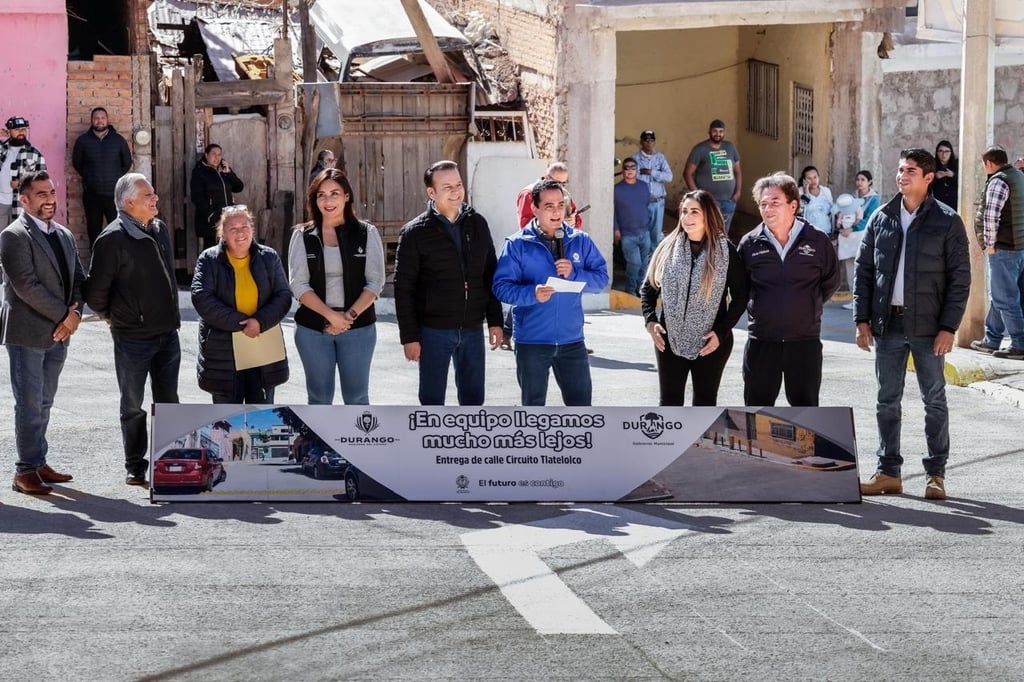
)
(99, 212)
(706, 371)
(767, 363)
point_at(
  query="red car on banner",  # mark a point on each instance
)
(188, 468)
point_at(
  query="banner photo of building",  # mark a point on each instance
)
(502, 454)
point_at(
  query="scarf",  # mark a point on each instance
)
(688, 316)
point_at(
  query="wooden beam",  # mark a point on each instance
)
(436, 58)
(241, 93)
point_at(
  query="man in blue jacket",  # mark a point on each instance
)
(548, 326)
(913, 278)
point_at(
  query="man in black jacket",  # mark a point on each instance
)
(793, 271)
(444, 267)
(100, 156)
(913, 277)
(131, 285)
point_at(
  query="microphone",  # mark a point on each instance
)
(559, 244)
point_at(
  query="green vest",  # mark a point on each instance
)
(1010, 232)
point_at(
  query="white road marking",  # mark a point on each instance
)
(510, 556)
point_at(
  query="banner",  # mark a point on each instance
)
(503, 454)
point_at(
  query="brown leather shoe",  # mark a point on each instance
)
(30, 484)
(935, 488)
(50, 476)
(882, 484)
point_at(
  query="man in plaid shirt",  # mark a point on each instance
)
(18, 159)
(1000, 229)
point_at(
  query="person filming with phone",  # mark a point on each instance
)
(213, 185)
(548, 321)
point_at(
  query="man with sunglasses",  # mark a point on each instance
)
(629, 222)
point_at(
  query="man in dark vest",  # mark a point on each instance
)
(1000, 229)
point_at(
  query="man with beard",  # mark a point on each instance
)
(714, 166)
(100, 156)
(42, 307)
(18, 160)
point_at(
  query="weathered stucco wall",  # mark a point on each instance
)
(919, 108)
(33, 70)
(676, 82)
(803, 55)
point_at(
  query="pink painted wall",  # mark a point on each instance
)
(33, 74)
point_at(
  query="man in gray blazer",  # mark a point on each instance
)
(41, 309)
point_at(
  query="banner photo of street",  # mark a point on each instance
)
(503, 454)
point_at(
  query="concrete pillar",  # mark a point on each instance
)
(976, 133)
(844, 130)
(589, 70)
(870, 111)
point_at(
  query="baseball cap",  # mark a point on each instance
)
(16, 122)
(717, 123)
(647, 134)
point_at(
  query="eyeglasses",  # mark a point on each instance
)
(625, 168)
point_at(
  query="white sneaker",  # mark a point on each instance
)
(849, 306)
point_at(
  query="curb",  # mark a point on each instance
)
(620, 300)
(962, 370)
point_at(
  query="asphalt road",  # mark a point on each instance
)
(98, 584)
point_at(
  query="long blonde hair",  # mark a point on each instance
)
(714, 230)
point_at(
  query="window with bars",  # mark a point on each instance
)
(763, 98)
(803, 120)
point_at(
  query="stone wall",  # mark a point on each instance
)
(919, 108)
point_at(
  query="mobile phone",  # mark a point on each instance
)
(583, 210)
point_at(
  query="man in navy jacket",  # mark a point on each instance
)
(793, 271)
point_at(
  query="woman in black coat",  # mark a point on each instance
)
(946, 185)
(212, 185)
(239, 286)
(703, 288)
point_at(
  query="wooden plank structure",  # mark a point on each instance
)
(261, 149)
(392, 133)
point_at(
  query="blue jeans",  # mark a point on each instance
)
(157, 358)
(1004, 315)
(636, 249)
(349, 352)
(570, 365)
(34, 376)
(656, 221)
(463, 348)
(728, 208)
(891, 351)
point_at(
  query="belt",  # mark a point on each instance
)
(655, 200)
(897, 309)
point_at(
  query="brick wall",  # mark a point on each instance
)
(105, 82)
(530, 40)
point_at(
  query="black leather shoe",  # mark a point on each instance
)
(30, 484)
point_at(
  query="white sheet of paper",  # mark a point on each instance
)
(565, 286)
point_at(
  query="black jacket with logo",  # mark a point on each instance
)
(786, 297)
